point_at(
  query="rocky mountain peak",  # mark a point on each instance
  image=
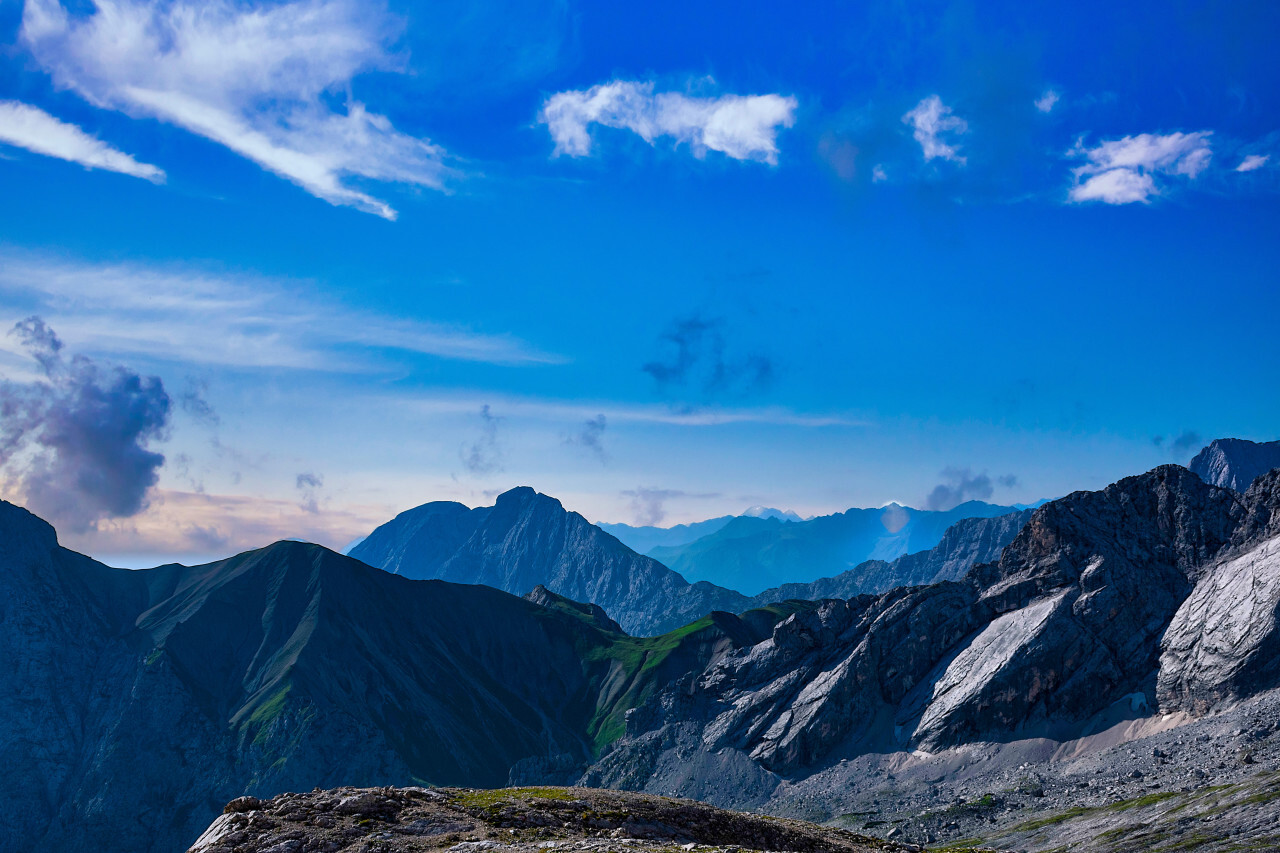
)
(17, 525)
(1262, 510)
(1167, 516)
(524, 497)
(528, 539)
(1234, 463)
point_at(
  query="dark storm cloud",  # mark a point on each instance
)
(590, 437)
(696, 362)
(961, 484)
(76, 444)
(484, 456)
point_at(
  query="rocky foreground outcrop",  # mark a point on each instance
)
(1067, 623)
(513, 820)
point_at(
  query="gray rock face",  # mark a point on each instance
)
(526, 539)
(1234, 463)
(1065, 624)
(1223, 641)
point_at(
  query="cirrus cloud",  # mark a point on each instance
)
(34, 129)
(744, 127)
(208, 317)
(260, 80)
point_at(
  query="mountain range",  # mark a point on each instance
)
(527, 538)
(133, 704)
(763, 549)
(643, 539)
(1158, 592)
(168, 691)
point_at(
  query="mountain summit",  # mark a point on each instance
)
(1234, 463)
(528, 539)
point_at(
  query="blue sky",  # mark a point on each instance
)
(301, 265)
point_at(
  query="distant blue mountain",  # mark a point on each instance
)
(754, 554)
(646, 538)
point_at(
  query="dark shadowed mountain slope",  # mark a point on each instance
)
(755, 554)
(1065, 624)
(1234, 463)
(166, 692)
(527, 539)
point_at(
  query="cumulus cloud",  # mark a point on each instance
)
(697, 361)
(261, 79)
(960, 485)
(590, 437)
(34, 129)
(1047, 101)
(744, 127)
(1123, 171)
(484, 455)
(76, 444)
(1253, 161)
(930, 120)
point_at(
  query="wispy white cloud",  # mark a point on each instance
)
(573, 411)
(1047, 101)
(930, 120)
(196, 527)
(1253, 161)
(744, 127)
(35, 130)
(184, 314)
(1123, 171)
(258, 79)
